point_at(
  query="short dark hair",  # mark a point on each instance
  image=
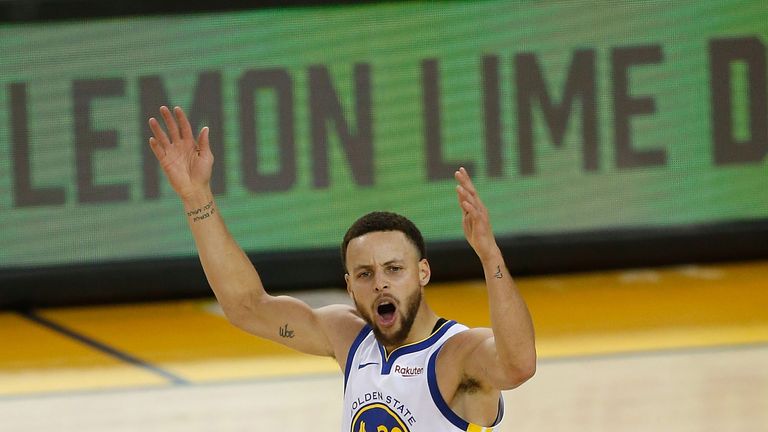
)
(383, 221)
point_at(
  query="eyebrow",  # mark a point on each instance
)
(366, 266)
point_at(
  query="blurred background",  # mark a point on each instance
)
(619, 146)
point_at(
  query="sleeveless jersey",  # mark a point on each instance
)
(398, 392)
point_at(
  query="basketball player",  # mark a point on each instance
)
(405, 368)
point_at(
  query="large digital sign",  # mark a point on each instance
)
(570, 117)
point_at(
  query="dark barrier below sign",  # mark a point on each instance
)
(294, 270)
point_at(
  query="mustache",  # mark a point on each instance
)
(384, 298)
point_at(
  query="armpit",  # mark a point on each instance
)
(468, 385)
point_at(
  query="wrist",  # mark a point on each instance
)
(494, 266)
(197, 199)
(491, 255)
(199, 206)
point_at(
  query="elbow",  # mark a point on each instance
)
(528, 371)
(240, 313)
(236, 317)
(515, 375)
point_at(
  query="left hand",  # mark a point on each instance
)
(475, 220)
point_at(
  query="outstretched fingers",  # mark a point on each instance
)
(466, 191)
(157, 149)
(475, 219)
(468, 209)
(170, 124)
(466, 200)
(159, 142)
(157, 130)
(202, 141)
(462, 176)
(184, 127)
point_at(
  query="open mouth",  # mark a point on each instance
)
(386, 312)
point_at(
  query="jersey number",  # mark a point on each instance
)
(380, 428)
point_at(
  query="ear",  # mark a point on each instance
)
(424, 272)
(349, 286)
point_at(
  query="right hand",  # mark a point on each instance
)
(186, 161)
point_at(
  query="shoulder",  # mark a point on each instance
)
(341, 320)
(463, 343)
(342, 324)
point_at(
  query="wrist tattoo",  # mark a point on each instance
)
(203, 212)
(498, 274)
(285, 332)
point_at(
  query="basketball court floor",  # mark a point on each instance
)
(675, 349)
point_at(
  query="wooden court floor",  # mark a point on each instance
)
(672, 349)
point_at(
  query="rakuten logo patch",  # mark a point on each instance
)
(408, 371)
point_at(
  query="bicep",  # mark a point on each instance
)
(291, 322)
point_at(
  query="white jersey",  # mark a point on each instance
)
(398, 392)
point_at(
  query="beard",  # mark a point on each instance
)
(407, 312)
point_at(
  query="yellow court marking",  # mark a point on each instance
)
(28, 345)
(181, 336)
(579, 314)
(651, 340)
(35, 359)
(259, 366)
(634, 310)
(32, 381)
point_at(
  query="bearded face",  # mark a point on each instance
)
(388, 310)
(385, 279)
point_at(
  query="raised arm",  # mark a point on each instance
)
(187, 163)
(505, 356)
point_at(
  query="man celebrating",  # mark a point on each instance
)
(405, 368)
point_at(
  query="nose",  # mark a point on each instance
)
(381, 282)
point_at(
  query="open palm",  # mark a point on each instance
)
(186, 161)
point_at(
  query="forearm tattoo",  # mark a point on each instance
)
(286, 332)
(498, 274)
(203, 212)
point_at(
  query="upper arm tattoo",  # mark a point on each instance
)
(286, 332)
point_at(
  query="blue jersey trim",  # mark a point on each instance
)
(387, 361)
(440, 403)
(500, 415)
(437, 398)
(353, 349)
